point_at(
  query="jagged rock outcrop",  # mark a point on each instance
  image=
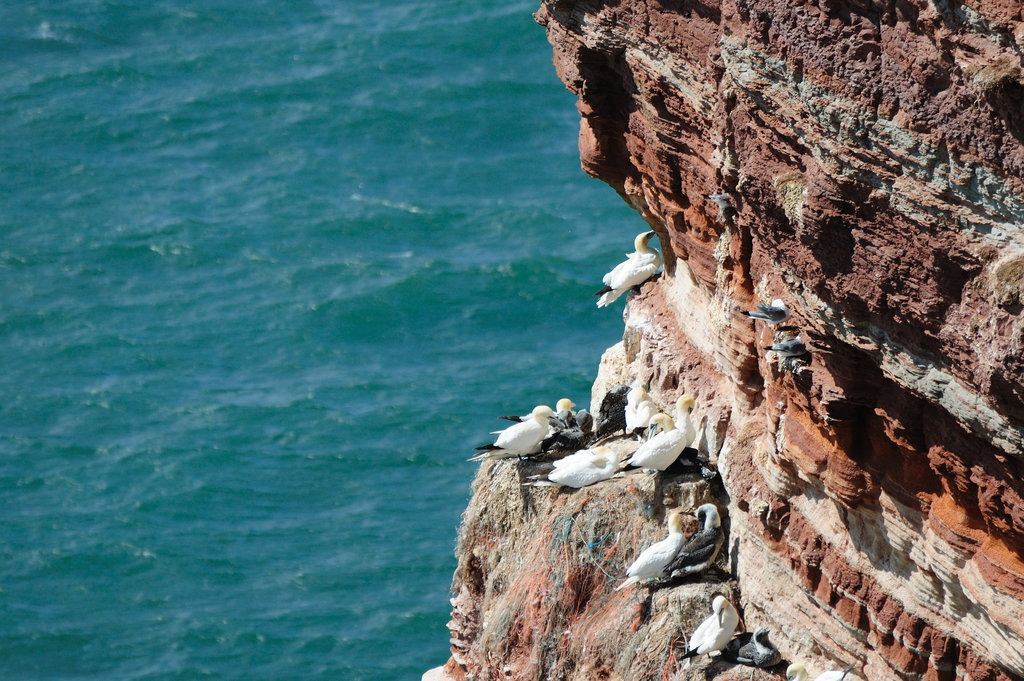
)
(874, 154)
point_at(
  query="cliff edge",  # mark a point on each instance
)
(873, 156)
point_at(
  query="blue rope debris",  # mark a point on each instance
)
(590, 545)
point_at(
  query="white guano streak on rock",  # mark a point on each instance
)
(925, 182)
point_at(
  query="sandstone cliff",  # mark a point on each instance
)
(874, 153)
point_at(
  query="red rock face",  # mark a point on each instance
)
(873, 151)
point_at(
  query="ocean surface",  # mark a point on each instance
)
(269, 271)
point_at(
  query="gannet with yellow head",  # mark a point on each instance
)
(521, 439)
(638, 267)
(653, 560)
(639, 409)
(714, 632)
(684, 407)
(661, 450)
(702, 547)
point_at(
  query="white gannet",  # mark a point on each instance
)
(611, 416)
(638, 267)
(776, 313)
(753, 650)
(713, 633)
(652, 561)
(585, 467)
(797, 672)
(639, 410)
(519, 439)
(660, 451)
(684, 407)
(702, 547)
(793, 347)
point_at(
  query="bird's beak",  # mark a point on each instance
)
(650, 234)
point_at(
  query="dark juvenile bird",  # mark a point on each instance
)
(776, 313)
(584, 421)
(565, 434)
(611, 417)
(793, 347)
(701, 548)
(753, 650)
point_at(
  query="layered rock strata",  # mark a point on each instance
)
(874, 156)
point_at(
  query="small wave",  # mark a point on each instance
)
(387, 203)
(45, 32)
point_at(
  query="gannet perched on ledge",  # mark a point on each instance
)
(702, 547)
(639, 410)
(653, 560)
(684, 407)
(585, 467)
(714, 632)
(563, 405)
(660, 451)
(520, 439)
(638, 267)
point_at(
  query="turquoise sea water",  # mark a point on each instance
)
(268, 272)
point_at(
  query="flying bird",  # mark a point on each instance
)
(585, 467)
(793, 347)
(638, 267)
(520, 439)
(753, 650)
(702, 547)
(653, 560)
(797, 672)
(639, 410)
(611, 417)
(714, 632)
(776, 313)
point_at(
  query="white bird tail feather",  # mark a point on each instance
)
(608, 298)
(628, 582)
